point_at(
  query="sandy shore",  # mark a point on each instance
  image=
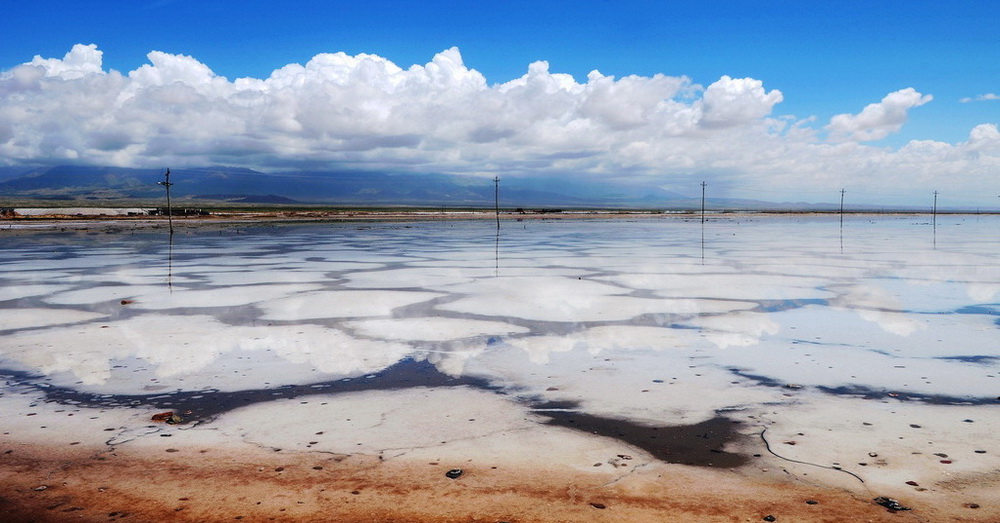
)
(200, 483)
(60, 463)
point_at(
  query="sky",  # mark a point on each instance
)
(775, 100)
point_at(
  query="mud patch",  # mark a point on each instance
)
(700, 445)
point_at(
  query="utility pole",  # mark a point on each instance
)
(170, 214)
(842, 205)
(934, 221)
(703, 184)
(496, 199)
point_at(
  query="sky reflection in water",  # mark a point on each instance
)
(587, 310)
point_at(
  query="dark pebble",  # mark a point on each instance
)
(912, 483)
(914, 426)
(890, 504)
(972, 505)
(770, 518)
(812, 502)
(599, 505)
(453, 473)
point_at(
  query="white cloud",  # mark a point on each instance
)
(364, 111)
(78, 62)
(730, 102)
(980, 98)
(878, 120)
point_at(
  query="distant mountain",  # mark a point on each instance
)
(313, 187)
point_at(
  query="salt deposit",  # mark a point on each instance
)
(835, 354)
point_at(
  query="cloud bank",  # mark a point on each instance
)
(365, 112)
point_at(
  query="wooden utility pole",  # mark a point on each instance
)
(496, 199)
(170, 214)
(703, 184)
(842, 207)
(934, 209)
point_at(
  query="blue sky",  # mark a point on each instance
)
(825, 59)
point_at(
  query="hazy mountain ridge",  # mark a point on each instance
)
(202, 186)
(313, 187)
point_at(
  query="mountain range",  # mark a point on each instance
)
(96, 185)
(240, 185)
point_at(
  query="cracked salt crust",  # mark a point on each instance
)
(425, 423)
(432, 329)
(340, 304)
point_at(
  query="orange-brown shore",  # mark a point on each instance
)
(199, 482)
(210, 484)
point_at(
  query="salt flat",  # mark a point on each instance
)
(764, 361)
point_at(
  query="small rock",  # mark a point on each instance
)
(163, 416)
(812, 502)
(972, 505)
(912, 483)
(453, 473)
(127, 302)
(601, 506)
(890, 504)
(770, 518)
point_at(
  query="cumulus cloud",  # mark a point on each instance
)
(980, 98)
(363, 109)
(366, 112)
(731, 102)
(878, 120)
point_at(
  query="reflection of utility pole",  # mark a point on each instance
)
(496, 198)
(170, 215)
(703, 184)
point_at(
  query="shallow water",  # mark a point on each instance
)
(639, 324)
